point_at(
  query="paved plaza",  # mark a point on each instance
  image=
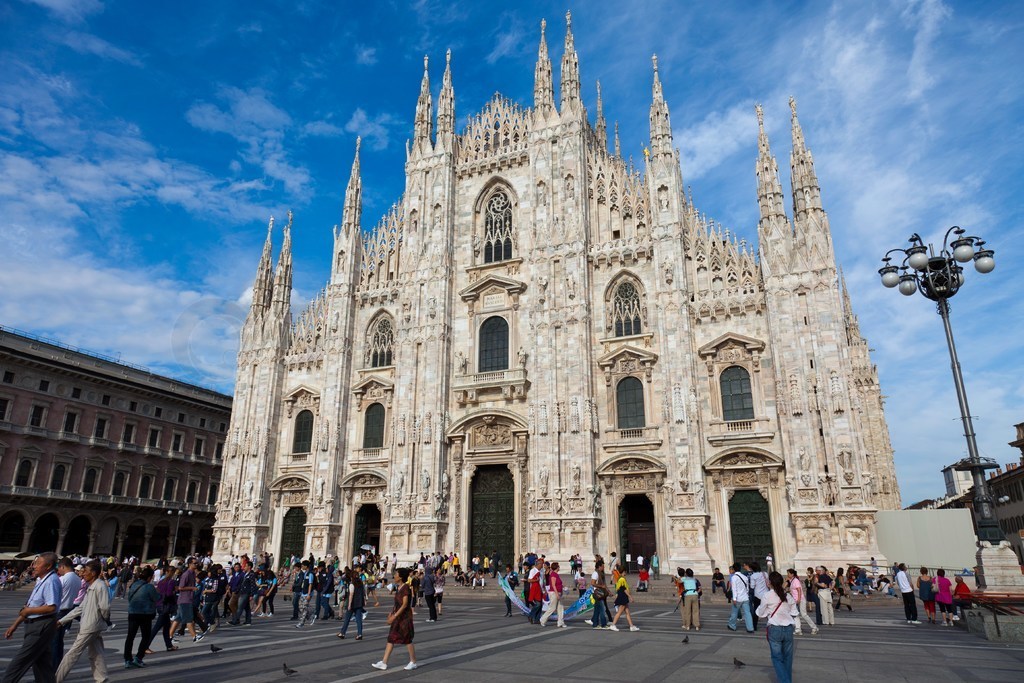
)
(473, 641)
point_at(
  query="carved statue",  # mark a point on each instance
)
(869, 486)
(698, 490)
(444, 482)
(399, 484)
(461, 362)
(791, 491)
(425, 480)
(595, 501)
(828, 485)
(248, 489)
(476, 244)
(845, 460)
(575, 480)
(805, 460)
(543, 283)
(320, 483)
(570, 287)
(544, 482)
(523, 357)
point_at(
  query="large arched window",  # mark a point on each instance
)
(302, 442)
(89, 482)
(737, 399)
(626, 309)
(57, 480)
(145, 486)
(498, 228)
(119, 479)
(169, 486)
(493, 345)
(190, 493)
(24, 473)
(373, 427)
(211, 495)
(629, 403)
(380, 343)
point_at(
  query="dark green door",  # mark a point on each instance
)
(492, 513)
(751, 527)
(367, 529)
(293, 533)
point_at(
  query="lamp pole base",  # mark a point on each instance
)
(998, 569)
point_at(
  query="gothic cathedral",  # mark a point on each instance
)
(541, 347)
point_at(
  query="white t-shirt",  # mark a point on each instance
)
(904, 582)
(533, 573)
(740, 587)
(639, 560)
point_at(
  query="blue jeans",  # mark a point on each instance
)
(600, 617)
(358, 614)
(813, 599)
(324, 602)
(780, 641)
(737, 609)
(535, 611)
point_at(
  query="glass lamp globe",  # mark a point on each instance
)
(963, 252)
(890, 279)
(984, 263)
(918, 260)
(908, 285)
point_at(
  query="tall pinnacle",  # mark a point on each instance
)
(424, 106)
(661, 125)
(353, 210)
(570, 76)
(769, 189)
(446, 101)
(601, 128)
(262, 285)
(283, 276)
(804, 181)
(543, 88)
(618, 147)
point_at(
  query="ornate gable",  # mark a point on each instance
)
(373, 388)
(733, 348)
(493, 292)
(302, 398)
(627, 360)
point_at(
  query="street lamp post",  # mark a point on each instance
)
(939, 276)
(177, 525)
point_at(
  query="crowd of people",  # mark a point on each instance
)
(192, 598)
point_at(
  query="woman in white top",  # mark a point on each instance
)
(777, 608)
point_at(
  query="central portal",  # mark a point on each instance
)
(751, 527)
(367, 529)
(293, 533)
(636, 528)
(492, 513)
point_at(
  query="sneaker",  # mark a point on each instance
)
(588, 622)
(130, 665)
(311, 621)
(380, 665)
(613, 627)
(430, 621)
(956, 618)
(298, 625)
(913, 621)
(199, 637)
(634, 628)
(410, 666)
(814, 632)
(139, 663)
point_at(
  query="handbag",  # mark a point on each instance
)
(600, 593)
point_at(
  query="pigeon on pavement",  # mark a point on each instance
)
(287, 671)
(214, 649)
(737, 663)
(686, 639)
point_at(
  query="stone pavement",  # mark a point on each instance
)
(473, 641)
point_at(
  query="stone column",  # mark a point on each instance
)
(92, 543)
(195, 539)
(145, 547)
(120, 544)
(25, 538)
(61, 533)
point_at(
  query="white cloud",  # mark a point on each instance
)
(70, 10)
(715, 139)
(373, 130)
(86, 43)
(366, 55)
(322, 128)
(507, 42)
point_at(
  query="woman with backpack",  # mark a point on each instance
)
(926, 591)
(689, 594)
(355, 605)
(166, 609)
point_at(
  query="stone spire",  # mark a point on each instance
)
(570, 76)
(769, 189)
(446, 105)
(262, 287)
(424, 109)
(661, 126)
(806, 192)
(352, 213)
(348, 238)
(283, 276)
(618, 147)
(543, 88)
(600, 127)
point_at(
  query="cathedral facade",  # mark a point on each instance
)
(541, 347)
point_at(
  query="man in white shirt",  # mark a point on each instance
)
(70, 586)
(907, 591)
(639, 563)
(740, 599)
(95, 614)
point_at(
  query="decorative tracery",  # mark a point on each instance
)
(498, 228)
(380, 343)
(627, 310)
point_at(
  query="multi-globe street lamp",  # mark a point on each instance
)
(938, 275)
(177, 525)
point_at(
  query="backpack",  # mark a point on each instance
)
(513, 580)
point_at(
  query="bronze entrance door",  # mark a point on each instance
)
(492, 513)
(636, 529)
(293, 533)
(367, 529)
(751, 527)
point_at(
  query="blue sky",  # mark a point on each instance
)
(144, 145)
